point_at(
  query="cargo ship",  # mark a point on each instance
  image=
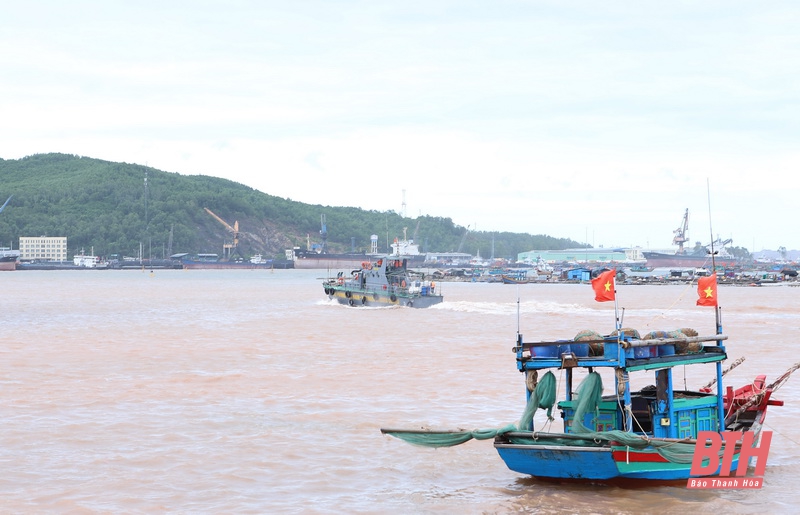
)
(700, 257)
(317, 257)
(307, 259)
(320, 259)
(665, 260)
(213, 262)
(313, 260)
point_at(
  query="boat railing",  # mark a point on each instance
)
(621, 351)
(625, 341)
(392, 288)
(673, 341)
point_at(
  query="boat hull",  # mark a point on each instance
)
(329, 261)
(659, 259)
(385, 282)
(145, 263)
(593, 463)
(551, 461)
(215, 264)
(57, 266)
(514, 280)
(226, 266)
(355, 297)
(8, 259)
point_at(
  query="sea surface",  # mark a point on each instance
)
(226, 391)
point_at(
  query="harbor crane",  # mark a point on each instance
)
(228, 248)
(680, 233)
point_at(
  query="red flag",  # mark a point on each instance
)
(707, 290)
(603, 286)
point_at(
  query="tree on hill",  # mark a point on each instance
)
(118, 208)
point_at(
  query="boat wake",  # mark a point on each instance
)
(510, 308)
(337, 304)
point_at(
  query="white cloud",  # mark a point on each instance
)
(597, 123)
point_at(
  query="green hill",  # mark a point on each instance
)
(105, 206)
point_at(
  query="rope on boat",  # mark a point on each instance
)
(731, 367)
(785, 377)
(622, 380)
(531, 379)
(756, 399)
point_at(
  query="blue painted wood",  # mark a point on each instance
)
(560, 462)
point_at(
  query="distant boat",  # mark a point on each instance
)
(311, 260)
(79, 262)
(8, 258)
(516, 277)
(662, 259)
(117, 262)
(698, 258)
(212, 262)
(317, 257)
(83, 261)
(384, 282)
(322, 260)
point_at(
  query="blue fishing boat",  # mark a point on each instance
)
(516, 277)
(647, 434)
(650, 433)
(385, 282)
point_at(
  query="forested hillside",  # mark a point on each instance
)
(118, 208)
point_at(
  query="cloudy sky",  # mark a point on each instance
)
(597, 121)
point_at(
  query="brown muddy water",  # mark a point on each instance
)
(250, 392)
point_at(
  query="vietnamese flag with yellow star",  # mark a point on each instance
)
(707, 290)
(603, 286)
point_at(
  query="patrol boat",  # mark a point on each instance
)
(385, 282)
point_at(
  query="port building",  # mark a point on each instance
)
(43, 248)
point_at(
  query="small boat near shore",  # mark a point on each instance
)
(9, 258)
(385, 282)
(517, 277)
